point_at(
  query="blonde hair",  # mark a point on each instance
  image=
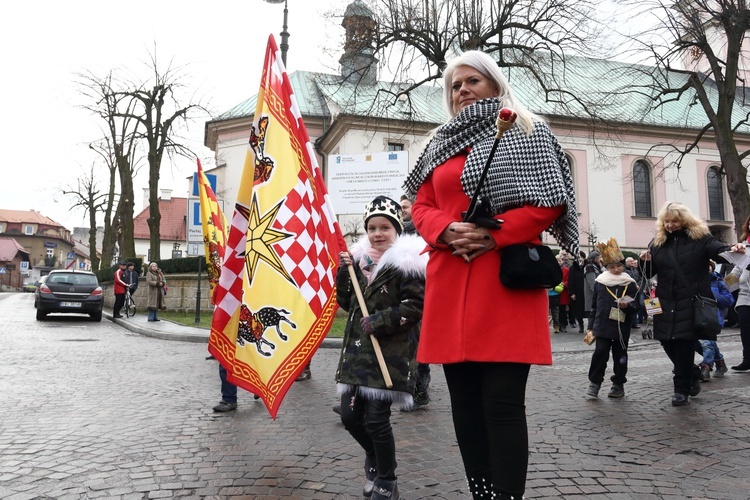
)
(674, 210)
(488, 67)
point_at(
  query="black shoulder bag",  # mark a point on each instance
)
(705, 309)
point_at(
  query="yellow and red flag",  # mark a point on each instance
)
(276, 297)
(215, 230)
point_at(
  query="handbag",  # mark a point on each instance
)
(705, 318)
(705, 310)
(529, 266)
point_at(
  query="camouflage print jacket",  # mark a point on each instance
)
(395, 297)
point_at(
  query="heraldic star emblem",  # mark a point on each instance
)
(260, 237)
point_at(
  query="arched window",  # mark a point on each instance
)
(715, 188)
(572, 169)
(642, 189)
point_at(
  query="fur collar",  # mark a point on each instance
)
(694, 233)
(405, 255)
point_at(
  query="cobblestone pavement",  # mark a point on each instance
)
(93, 410)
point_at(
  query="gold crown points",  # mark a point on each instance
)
(610, 251)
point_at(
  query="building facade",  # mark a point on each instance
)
(49, 244)
(623, 154)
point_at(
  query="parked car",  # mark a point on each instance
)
(30, 286)
(69, 291)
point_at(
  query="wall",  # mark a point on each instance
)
(180, 296)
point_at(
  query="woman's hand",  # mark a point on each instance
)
(645, 255)
(468, 240)
(738, 248)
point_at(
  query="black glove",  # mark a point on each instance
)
(367, 321)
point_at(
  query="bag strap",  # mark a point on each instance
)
(679, 273)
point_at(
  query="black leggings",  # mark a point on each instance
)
(743, 312)
(489, 416)
(369, 423)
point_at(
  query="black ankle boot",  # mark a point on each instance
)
(384, 489)
(481, 488)
(742, 367)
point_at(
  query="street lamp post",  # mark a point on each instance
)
(284, 33)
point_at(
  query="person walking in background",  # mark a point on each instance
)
(680, 253)
(610, 321)
(743, 314)
(228, 393)
(156, 283)
(564, 312)
(710, 348)
(553, 296)
(592, 269)
(120, 285)
(575, 289)
(390, 270)
(484, 334)
(132, 277)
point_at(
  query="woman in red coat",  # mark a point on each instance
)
(485, 335)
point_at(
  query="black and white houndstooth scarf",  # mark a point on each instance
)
(525, 170)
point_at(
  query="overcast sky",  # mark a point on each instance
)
(43, 133)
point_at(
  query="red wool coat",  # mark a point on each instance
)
(468, 314)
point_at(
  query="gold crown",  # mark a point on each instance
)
(610, 251)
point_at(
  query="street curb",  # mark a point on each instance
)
(200, 336)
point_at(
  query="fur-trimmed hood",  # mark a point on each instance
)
(405, 255)
(694, 233)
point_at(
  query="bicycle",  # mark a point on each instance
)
(129, 304)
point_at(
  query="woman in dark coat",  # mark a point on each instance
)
(575, 288)
(591, 270)
(683, 240)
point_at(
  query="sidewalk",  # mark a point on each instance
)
(168, 330)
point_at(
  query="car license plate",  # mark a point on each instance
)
(70, 304)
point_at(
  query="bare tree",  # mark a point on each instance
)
(417, 37)
(93, 201)
(118, 149)
(696, 46)
(140, 118)
(157, 112)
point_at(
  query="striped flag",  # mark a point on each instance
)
(276, 297)
(214, 230)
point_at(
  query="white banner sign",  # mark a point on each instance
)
(354, 180)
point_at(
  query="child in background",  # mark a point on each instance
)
(390, 270)
(711, 351)
(612, 310)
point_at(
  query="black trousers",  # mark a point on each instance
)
(119, 302)
(489, 416)
(369, 423)
(600, 358)
(682, 354)
(743, 313)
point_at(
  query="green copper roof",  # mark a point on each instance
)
(325, 95)
(614, 91)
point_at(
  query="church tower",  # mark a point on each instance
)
(359, 64)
